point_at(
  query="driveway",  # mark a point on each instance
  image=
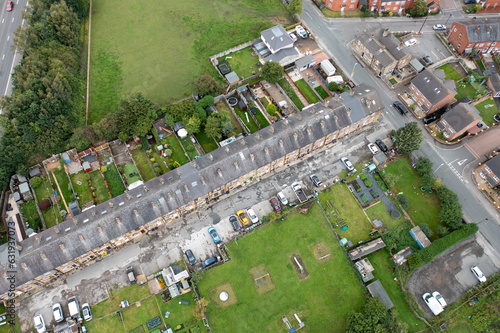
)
(485, 143)
(450, 272)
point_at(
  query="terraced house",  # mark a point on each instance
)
(127, 218)
(481, 37)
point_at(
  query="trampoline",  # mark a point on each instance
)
(233, 101)
(224, 67)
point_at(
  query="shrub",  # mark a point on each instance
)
(368, 183)
(423, 165)
(391, 179)
(333, 86)
(364, 199)
(374, 193)
(157, 170)
(45, 204)
(167, 152)
(442, 230)
(359, 189)
(399, 237)
(271, 109)
(176, 164)
(189, 148)
(427, 180)
(152, 159)
(403, 200)
(156, 165)
(363, 176)
(104, 168)
(35, 182)
(426, 230)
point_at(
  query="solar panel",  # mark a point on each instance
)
(277, 32)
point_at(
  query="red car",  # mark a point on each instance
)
(275, 204)
(10, 6)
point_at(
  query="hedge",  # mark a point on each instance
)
(426, 255)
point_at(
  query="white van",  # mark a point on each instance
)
(432, 303)
(74, 307)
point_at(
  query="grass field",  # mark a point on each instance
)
(252, 126)
(465, 90)
(83, 190)
(131, 174)
(208, 144)
(307, 91)
(142, 162)
(43, 191)
(291, 93)
(480, 64)
(161, 48)
(114, 180)
(322, 92)
(450, 72)
(487, 109)
(30, 215)
(62, 180)
(379, 212)
(177, 152)
(189, 147)
(319, 299)
(337, 14)
(181, 314)
(237, 130)
(100, 190)
(261, 119)
(243, 63)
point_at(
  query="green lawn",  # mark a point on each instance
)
(291, 93)
(137, 316)
(181, 313)
(63, 181)
(208, 144)
(252, 126)
(160, 49)
(348, 13)
(189, 147)
(487, 109)
(264, 101)
(424, 206)
(162, 162)
(131, 174)
(114, 180)
(384, 268)
(306, 91)
(480, 65)
(261, 119)
(99, 188)
(322, 92)
(243, 63)
(30, 215)
(43, 191)
(465, 90)
(143, 164)
(450, 73)
(83, 190)
(320, 299)
(52, 216)
(379, 212)
(237, 130)
(177, 152)
(350, 211)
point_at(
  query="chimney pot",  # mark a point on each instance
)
(271, 128)
(211, 157)
(251, 156)
(473, 20)
(485, 20)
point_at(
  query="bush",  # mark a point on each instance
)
(333, 86)
(35, 182)
(167, 152)
(368, 183)
(403, 200)
(391, 179)
(152, 159)
(363, 176)
(157, 170)
(399, 237)
(423, 165)
(426, 230)
(271, 109)
(374, 193)
(442, 230)
(364, 199)
(45, 204)
(189, 148)
(156, 165)
(427, 180)
(359, 189)
(176, 164)
(104, 168)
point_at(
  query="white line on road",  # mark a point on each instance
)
(3, 57)
(8, 37)
(3, 20)
(461, 162)
(11, 67)
(435, 55)
(438, 168)
(453, 160)
(12, 19)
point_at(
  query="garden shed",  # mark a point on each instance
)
(180, 130)
(35, 171)
(232, 78)
(419, 237)
(24, 188)
(73, 206)
(365, 268)
(65, 158)
(305, 62)
(380, 159)
(86, 166)
(327, 67)
(377, 290)
(401, 257)
(377, 223)
(366, 249)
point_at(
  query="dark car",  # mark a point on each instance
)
(469, 1)
(234, 222)
(10, 6)
(315, 180)
(190, 257)
(400, 107)
(209, 262)
(427, 60)
(381, 145)
(497, 117)
(275, 204)
(430, 118)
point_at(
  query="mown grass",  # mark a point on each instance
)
(177, 152)
(181, 313)
(114, 180)
(242, 62)
(131, 174)
(30, 215)
(189, 147)
(451, 73)
(100, 190)
(306, 91)
(142, 162)
(319, 300)
(83, 190)
(44, 191)
(291, 93)
(208, 144)
(487, 109)
(252, 126)
(261, 119)
(379, 212)
(63, 182)
(322, 92)
(162, 162)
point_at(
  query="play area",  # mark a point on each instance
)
(224, 295)
(321, 252)
(262, 279)
(299, 266)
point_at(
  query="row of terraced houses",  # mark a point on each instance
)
(379, 6)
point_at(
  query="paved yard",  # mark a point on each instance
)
(485, 143)
(428, 44)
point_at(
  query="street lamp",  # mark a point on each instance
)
(428, 12)
(448, 19)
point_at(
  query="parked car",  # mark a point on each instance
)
(470, 1)
(74, 307)
(400, 107)
(87, 313)
(234, 222)
(315, 180)
(292, 36)
(373, 149)
(430, 118)
(57, 312)
(39, 323)
(439, 27)
(275, 204)
(497, 117)
(301, 31)
(10, 6)
(243, 218)
(381, 145)
(427, 60)
(281, 197)
(215, 236)
(347, 163)
(190, 257)
(131, 275)
(251, 214)
(440, 299)
(477, 273)
(432, 303)
(410, 42)
(209, 262)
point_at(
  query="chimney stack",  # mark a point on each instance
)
(473, 20)
(351, 92)
(490, 28)
(478, 29)
(485, 20)
(386, 32)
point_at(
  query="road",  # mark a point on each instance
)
(8, 58)
(452, 164)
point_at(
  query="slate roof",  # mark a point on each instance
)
(283, 54)
(495, 82)
(375, 48)
(361, 100)
(232, 77)
(277, 38)
(430, 86)
(35, 171)
(393, 45)
(461, 116)
(308, 59)
(24, 188)
(377, 290)
(478, 32)
(366, 249)
(494, 165)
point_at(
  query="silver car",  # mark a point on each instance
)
(478, 274)
(251, 214)
(282, 198)
(347, 163)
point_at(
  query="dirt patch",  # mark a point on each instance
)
(459, 68)
(226, 287)
(120, 153)
(262, 279)
(52, 165)
(299, 266)
(304, 209)
(321, 252)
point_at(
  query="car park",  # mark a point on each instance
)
(432, 303)
(347, 163)
(410, 42)
(234, 223)
(440, 299)
(301, 31)
(57, 312)
(292, 36)
(215, 236)
(10, 6)
(478, 274)
(439, 27)
(39, 323)
(243, 218)
(87, 313)
(190, 257)
(131, 275)
(209, 262)
(373, 149)
(275, 204)
(251, 214)
(281, 197)
(430, 118)
(381, 145)
(315, 180)
(427, 61)
(400, 107)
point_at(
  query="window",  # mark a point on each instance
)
(398, 2)
(395, 9)
(455, 30)
(488, 170)
(428, 104)
(460, 35)
(481, 45)
(496, 178)
(351, 6)
(330, 5)
(458, 46)
(388, 4)
(493, 44)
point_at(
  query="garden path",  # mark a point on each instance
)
(366, 190)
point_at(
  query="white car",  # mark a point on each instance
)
(477, 273)
(410, 42)
(57, 312)
(347, 163)
(301, 31)
(432, 303)
(440, 299)
(87, 314)
(373, 148)
(251, 214)
(292, 36)
(282, 198)
(439, 27)
(39, 323)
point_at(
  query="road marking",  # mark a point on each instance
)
(471, 150)
(438, 167)
(8, 37)
(3, 20)
(461, 162)
(454, 160)
(3, 57)
(12, 19)
(435, 55)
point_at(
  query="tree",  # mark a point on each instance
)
(374, 319)
(183, 110)
(451, 215)
(193, 124)
(206, 101)
(206, 85)
(403, 200)
(201, 308)
(271, 109)
(442, 230)
(419, 10)
(427, 180)
(426, 229)
(409, 138)
(35, 182)
(447, 195)
(333, 86)
(272, 72)
(167, 152)
(391, 179)
(295, 7)
(65, 22)
(82, 137)
(423, 165)
(213, 127)
(169, 120)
